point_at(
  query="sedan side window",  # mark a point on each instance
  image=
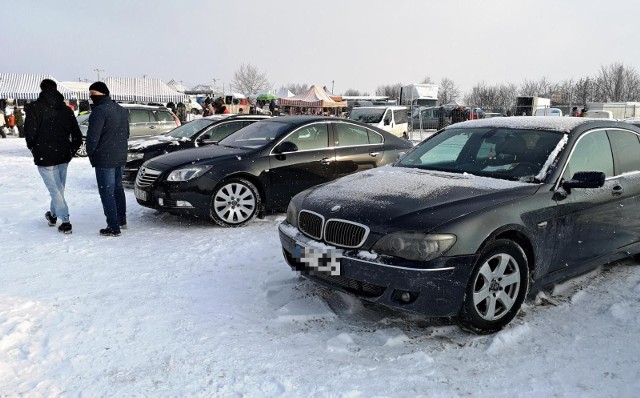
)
(311, 137)
(591, 153)
(164, 116)
(221, 131)
(139, 116)
(626, 148)
(351, 135)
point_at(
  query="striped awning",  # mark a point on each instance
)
(315, 97)
(25, 86)
(142, 90)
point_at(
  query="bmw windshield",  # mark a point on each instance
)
(504, 153)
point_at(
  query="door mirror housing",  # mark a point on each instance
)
(286, 146)
(585, 179)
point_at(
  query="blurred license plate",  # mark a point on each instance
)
(316, 261)
(140, 194)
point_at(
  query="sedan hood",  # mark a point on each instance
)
(410, 197)
(154, 143)
(208, 155)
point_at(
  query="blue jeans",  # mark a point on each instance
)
(55, 178)
(112, 196)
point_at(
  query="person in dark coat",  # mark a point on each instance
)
(107, 138)
(53, 137)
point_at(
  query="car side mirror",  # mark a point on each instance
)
(585, 179)
(286, 146)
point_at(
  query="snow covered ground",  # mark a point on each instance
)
(177, 307)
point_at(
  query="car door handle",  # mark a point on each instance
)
(617, 190)
(325, 160)
(373, 154)
(152, 127)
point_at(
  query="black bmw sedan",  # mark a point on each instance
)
(262, 166)
(199, 132)
(473, 217)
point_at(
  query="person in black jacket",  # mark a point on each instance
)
(107, 138)
(53, 136)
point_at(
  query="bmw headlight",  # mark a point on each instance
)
(414, 245)
(292, 214)
(187, 173)
(134, 156)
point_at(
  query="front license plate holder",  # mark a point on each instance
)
(316, 261)
(140, 194)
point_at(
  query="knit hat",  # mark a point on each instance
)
(100, 87)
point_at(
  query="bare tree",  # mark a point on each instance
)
(352, 92)
(448, 91)
(248, 80)
(498, 98)
(296, 88)
(391, 90)
(540, 88)
(617, 83)
(427, 80)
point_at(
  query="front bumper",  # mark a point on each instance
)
(171, 199)
(437, 290)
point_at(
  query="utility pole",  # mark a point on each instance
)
(332, 82)
(98, 71)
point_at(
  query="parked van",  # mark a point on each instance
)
(599, 114)
(548, 112)
(390, 118)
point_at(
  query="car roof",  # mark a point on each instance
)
(551, 123)
(393, 107)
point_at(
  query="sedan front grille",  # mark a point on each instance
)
(147, 176)
(310, 224)
(337, 232)
(345, 233)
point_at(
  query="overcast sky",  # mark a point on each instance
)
(358, 44)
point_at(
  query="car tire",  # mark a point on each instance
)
(235, 202)
(497, 288)
(82, 151)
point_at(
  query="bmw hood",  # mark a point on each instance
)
(209, 155)
(410, 196)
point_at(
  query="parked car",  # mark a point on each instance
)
(474, 217)
(261, 166)
(199, 132)
(144, 121)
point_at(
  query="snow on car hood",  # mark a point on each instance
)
(153, 141)
(389, 192)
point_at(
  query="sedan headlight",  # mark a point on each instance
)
(414, 245)
(187, 173)
(292, 214)
(134, 156)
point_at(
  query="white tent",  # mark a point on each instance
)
(284, 93)
(142, 90)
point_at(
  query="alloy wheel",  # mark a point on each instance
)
(234, 203)
(496, 287)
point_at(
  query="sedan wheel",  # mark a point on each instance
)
(497, 288)
(82, 151)
(235, 203)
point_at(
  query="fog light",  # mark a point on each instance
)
(161, 201)
(183, 203)
(405, 296)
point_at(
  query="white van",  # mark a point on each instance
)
(599, 114)
(548, 112)
(390, 118)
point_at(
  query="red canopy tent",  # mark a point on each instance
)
(315, 97)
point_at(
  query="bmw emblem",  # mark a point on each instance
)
(335, 209)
